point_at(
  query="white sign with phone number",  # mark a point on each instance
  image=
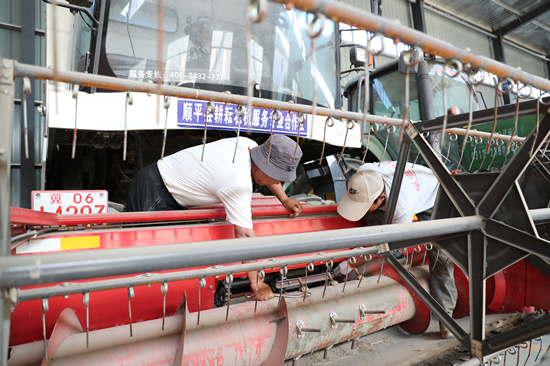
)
(70, 202)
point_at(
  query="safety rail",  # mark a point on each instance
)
(69, 288)
(62, 267)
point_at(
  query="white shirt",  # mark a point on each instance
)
(418, 189)
(214, 180)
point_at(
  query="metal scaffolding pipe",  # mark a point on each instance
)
(537, 215)
(152, 278)
(38, 269)
(474, 361)
(361, 19)
(107, 82)
(485, 135)
(540, 215)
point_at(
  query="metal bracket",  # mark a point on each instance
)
(12, 295)
(476, 348)
(363, 312)
(383, 248)
(411, 131)
(301, 330)
(334, 320)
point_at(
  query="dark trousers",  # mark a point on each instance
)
(147, 192)
(442, 281)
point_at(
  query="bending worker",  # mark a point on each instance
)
(190, 178)
(368, 190)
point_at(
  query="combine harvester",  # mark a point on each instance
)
(156, 288)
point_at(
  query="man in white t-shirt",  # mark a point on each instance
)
(367, 192)
(220, 174)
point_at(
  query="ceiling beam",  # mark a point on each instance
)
(524, 19)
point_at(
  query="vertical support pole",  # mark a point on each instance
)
(476, 273)
(27, 181)
(417, 10)
(397, 179)
(376, 7)
(426, 101)
(498, 50)
(97, 42)
(5, 308)
(7, 90)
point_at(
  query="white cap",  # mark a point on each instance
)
(364, 188)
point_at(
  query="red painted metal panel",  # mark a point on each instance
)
(422, 318)
(537, 293)
(109, 308)
(510, 287)
(37, 218)
(30, 217)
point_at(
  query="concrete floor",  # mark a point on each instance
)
(394, 347)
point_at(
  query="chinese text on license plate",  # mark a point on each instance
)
(70, 202)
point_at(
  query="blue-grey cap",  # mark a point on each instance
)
(280, 165)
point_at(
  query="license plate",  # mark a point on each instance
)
(70, 202)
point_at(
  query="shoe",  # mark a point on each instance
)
(445, 333)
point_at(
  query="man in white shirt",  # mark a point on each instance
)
(367, 192)
(220, 175)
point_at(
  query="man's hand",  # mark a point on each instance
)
(293, 205)
(288, 203)
(263, 291)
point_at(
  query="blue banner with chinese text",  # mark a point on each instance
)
(192, 113)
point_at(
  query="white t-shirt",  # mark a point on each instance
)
(214, 180)
(418, 189)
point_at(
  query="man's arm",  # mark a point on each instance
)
(288, 203)
(262, 290)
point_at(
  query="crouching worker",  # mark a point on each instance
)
(187, 178)
(368, 191)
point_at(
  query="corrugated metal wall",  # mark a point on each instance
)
(457, 34)
(528, 62)
(22, 38)
(398, 10)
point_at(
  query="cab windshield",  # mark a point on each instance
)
(204, 45)
(389, 94)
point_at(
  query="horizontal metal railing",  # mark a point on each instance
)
(281, 249)
(26, 270)
(68, 288)
(113, 83)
